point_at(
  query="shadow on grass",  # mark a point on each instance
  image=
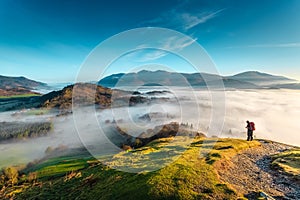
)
(225, 147)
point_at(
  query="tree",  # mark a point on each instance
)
(137, 143)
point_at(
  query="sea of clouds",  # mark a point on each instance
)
(276, 114)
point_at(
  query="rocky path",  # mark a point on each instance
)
(250, 171)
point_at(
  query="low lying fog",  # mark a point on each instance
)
(275, 113)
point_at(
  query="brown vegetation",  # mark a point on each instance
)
(88, 94)
(16, 91)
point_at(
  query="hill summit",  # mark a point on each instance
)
(260, 78)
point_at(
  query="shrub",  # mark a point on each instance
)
(137, 143)
(11, 174)
(126, 147)
(32, 176)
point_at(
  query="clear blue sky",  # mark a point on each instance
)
(48, 40)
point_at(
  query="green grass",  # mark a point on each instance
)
(57, 167)
(289, 162)
(220, 148)
(190, 174)
(19, 96)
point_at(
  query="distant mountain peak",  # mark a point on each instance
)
(152, 71)
(261, 78)
(247, 73)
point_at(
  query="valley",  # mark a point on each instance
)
(160, 138)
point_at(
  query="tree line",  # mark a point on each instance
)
(18, 130)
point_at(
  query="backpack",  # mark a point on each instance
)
(252, 126)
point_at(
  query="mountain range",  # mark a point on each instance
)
(62, 99)
(245, 80)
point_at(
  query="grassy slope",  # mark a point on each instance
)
(289, 162)
(191, 176)
(19, 96)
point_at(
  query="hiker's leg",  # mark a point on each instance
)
(248, 135)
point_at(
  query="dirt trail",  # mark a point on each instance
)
(250, 171)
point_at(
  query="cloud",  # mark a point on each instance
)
(169, 45)
(183, 19)
(150, 56)
(189, 21)
(176, 43)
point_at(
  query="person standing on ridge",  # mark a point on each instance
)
(250, 128)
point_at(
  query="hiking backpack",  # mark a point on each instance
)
(252, 126)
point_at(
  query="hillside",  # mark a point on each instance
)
(233, 169)
(87, 94)
(260, 78)
(164, 78)
(90, 94)
(18, 85)
(61, 99)
(294, 86)
(246, 80)
(16, 92)
(21, 130)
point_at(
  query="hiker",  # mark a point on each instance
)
(250, 128)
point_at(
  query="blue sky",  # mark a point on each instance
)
(49, 40)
